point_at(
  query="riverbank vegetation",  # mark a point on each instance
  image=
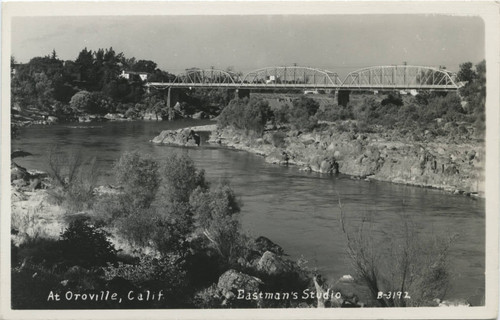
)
(422, 117)
(99, 83)
(168, 229)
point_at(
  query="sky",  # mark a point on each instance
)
(339, 43)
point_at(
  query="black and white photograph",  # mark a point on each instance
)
(250, 160)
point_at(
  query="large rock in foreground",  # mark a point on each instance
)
(272, 264)
(181, 137)
(232, 281)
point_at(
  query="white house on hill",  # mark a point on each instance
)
(129, 75)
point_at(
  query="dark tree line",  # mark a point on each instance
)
(89, 84)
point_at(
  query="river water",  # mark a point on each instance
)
(297, 210)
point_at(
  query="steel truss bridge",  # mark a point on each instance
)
(402, 77)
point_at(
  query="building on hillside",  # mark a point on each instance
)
(132, 75)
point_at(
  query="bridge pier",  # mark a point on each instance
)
(172, 96)
(343, 97)
(242, 93)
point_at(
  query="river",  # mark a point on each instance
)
(298, 210)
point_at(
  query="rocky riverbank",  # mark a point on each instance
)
(454, 167)
(185, 137)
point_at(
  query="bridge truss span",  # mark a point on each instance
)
(301, 77)
(401, 77)
(205, 77)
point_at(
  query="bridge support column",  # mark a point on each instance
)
(343, 97)
(242, 93)
(172, 97)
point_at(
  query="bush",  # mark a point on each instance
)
(75, 179)
(280, 115)
(302, 114)
(216, 215)
(411, 265)
(90, 102)
(139, 176)
(278, 139)
(246, 114)
(166, 273)
(86, 245)
(180, 179)
(393, 99)
(336, 113)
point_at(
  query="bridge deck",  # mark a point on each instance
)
(301, 86)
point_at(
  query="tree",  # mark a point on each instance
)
(139, 176)
(181, 178)
(246, 114)
(466, 73)
(302, 113)
(216, 214)
(85, 62)
(90, 102)
(144, 66)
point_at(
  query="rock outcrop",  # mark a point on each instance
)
(231, 281)
(272, 264)
(456, 167)
(181, 137)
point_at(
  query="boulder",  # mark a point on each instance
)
(272, 264)
(152, 116)
(326, 166)
(263, 244)
(19, 183)
(52, 119)
(200, 115)
(17, 172)
(180, 137)
(84, 119)
(106, 190)
(231, 281)
(115, 116)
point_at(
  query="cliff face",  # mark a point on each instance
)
(456, 167)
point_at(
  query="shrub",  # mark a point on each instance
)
(86, 245)
(301, 120)
(166, 273)
(278, 139)
(336, 113)
(165, 232)
(411, 265)
(180, 179)
(393, 99)
(246, 114)
(27, 224)
(280, 115)
(139, 176)
(75, 179)
(90, 102)
(216, 215)
(310, 105)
